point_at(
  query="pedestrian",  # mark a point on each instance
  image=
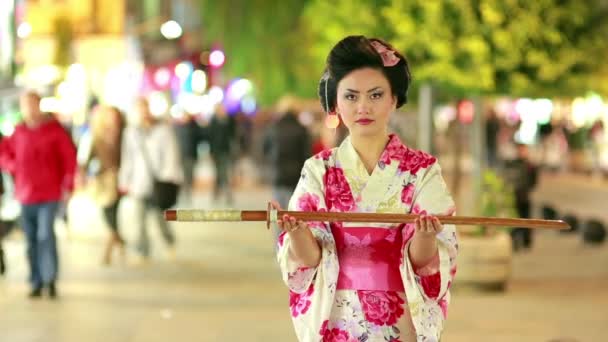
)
(41, 158)
(222, 140)
(287, 146)
(522, 175)
(99, 167)
(149, 153)
(189, 135)
(368, 282)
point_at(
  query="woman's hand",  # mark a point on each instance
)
(427, 227)
(288, 223)
(424, 243)
(304, 247)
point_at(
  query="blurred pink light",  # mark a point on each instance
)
(217, 58)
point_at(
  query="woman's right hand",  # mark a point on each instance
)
(288, 223)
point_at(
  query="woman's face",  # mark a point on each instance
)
(365, 102)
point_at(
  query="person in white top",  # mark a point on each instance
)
(149, 150)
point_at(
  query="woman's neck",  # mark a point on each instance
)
(370, 149)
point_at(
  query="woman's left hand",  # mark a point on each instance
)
(427, 226)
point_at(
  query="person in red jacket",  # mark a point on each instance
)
(41, 157)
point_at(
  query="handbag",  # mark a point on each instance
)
(164, 193)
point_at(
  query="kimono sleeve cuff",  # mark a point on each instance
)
(297, 277)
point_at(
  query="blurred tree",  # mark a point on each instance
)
(261, 40)
(324, 23)
(526, 48)
(520, 48)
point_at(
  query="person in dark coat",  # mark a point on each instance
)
(522, 175)
(287, 146)
(222, 135)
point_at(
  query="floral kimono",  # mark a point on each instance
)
(334, 301)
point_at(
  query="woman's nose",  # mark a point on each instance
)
(363, 108)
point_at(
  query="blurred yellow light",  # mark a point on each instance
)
(199, 81)
(158, 104)
(182, 70)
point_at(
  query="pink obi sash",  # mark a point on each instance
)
(368, 258)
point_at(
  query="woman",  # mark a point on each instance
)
(374, 282)
(103, 161)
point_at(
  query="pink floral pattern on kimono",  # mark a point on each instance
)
(334, 335)
(299, 303)
(407, 194)
(337, 191)
(324, 155)
(408, 159)
(381, 307)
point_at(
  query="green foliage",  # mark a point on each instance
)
(497, 199)
(529, 48)
(520, 48)
(261, 40)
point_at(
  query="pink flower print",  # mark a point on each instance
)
(431, 284)
(381, 307)
(334, 334)
(337, 191)
(282, 238)
(413, 161)
(407, 194)
(308, 202)
(417, 210)
(324, 327)
(443, 304)
(299, 303)
(393, 150)
(325, 154)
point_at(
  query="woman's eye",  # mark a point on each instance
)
(376, 96)
(350, 97)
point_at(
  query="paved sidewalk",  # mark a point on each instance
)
(225, 286)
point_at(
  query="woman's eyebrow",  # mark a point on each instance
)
(369, 91)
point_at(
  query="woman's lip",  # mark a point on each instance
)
(364, 121)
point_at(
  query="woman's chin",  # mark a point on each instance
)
(366, 131)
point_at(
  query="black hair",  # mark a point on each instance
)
(357, 52)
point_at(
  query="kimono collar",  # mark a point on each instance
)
(349, 158)
(370, 190)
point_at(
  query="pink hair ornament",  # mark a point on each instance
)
(389, 58)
